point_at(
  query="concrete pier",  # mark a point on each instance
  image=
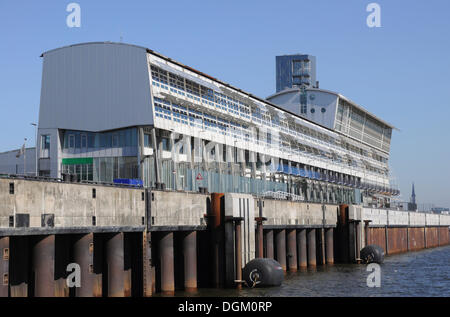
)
(320, 246)
(269, 244)
(43, 266)
(302, 249)
(62, 258)
(136, 242)
(190, 260)
(83, 255)
(167, 263)
(118, 266)
(329, 245)
(311, 238)
(280, 240)
(292, 250)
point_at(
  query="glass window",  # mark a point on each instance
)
(296, 67)
(127, 137)
(115, 140)
(166, 144)
(147, 140)
(107, 138)
(71, 141)
(83, 141)
(102, 140)
(133, 137)
(77, 140)
(91, 140)
(45, 142)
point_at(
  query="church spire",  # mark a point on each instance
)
(413, 195)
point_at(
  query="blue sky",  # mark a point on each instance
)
(400, 71)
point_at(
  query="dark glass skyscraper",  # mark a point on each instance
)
(295, 70)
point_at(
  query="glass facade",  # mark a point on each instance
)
(355, 123)
(98, 140)
(192, 108)
(102, 169)
(86, 158)
(273, 129)
(180, 176)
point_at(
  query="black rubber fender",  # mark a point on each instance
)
(263, 272)
(372, 254)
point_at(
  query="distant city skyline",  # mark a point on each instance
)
(399, 72)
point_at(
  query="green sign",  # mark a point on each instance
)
(77, 161)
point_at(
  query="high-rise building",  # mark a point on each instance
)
(295, 70)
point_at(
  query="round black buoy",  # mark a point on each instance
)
(263, 272)
(372, 254)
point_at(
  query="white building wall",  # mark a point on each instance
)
(242, 205)
(319, 100)
(289, 101)
(384, 217)
(10, 164)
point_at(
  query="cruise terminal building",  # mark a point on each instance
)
(114, 111)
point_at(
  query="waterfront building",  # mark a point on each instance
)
(111, 111)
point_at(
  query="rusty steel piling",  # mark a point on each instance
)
(4, 266)
(148, 270)
(19, 266)
(238, 251)
(259, 237)
(216, 226)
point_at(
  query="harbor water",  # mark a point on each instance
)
(424, 273)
